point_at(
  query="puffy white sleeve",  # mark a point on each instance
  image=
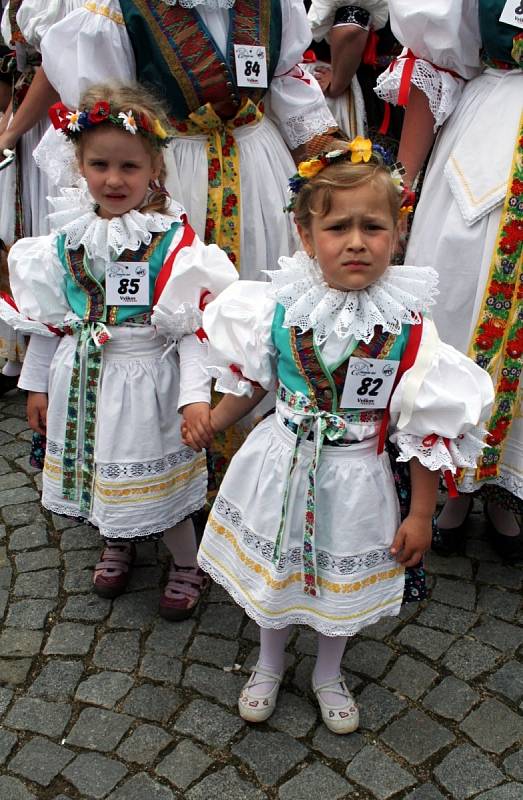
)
(37, 280)
(34, 376)
(444, 37)
(238, 326)
(199, 273)
(294, 100)
(89, 45)
(439, 405)
(35, 17)
(322, 12)
(5, 25)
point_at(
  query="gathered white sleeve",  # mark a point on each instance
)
(238, 326)
(5, 26)
(89, 45)
(195, 381)
(322, 12)
(439, 405)
(37, 280)
(34, 376)
(199, 273)
(442, 35)
(35, 17)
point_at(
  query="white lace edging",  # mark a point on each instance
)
(186, 319)
(73, 214)
(56, 157)
(16, 321)
(442, 89)
(300, 128)
(396, 299)
(506, 479)
(228, 382)
(312, 620)
(461, 452)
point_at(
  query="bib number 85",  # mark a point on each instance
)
(366, 384)
(129, 286)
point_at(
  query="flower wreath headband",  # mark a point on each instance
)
(74, 123)
(358, 150)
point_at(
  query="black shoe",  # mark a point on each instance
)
(7, 383)
(451, 541)
(510, 548)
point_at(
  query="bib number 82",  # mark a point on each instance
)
(366, 384)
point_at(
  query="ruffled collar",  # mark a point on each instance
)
(397, 298)
(73, 214)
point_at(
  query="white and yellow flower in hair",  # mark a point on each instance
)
(73, 123)
(128, 121)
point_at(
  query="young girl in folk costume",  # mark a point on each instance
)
(306, 527)
(119, 278)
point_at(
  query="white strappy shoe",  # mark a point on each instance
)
(259, 707)
(342, 718)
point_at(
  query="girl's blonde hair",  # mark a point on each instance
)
(122, 97)
(314, 198)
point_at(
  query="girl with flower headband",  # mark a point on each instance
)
(306, 526)
(122, 275)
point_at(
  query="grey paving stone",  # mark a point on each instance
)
(6, 574)
(466, 771)
(4, 599)
(78, 580)
(118, 651)
(23, 464)
(2, 531)
(467, 659)
(26, 513)
(224, 785)
(294, 715)
(381, 629)
(13, 480)
(13, 671)
(16, 642)
(4, 466)
(500, 575)
(13, 789)
(220, 652)
(378, 706)
(29, 537)
(208, 723)
(70, 639)
(80, 559)
(376, 772)
(61, 522)
(94, 775)
(458, 566)
(144, 744)
(214, 683)
(367, 658)
(12, 425)
(315, 782)
(7, 742)
(509, 791)
(158, 667)
(498, 602)
(82, 537)
(99, 729)
(152, 702)
(142, 787)
(15, 497)
(429, 643)
(88, 607)
(217, 594)
(447, 618)
(38, 716)
(250, 629)
(137, 610)
(410, 677)
(40, 760)
(30, 614)
(500, 635)
(184, 765)
(57, 680)
(340, 748)
(270, 755)
(425, 792)
(513, 765)
(508, 681)
(307, 642)
(37, 584)
(36, 560)
(225, 620)
(169, 639)
(104, 689)
(6, 695)
(451, 698)
(145, 578)
(493, 726)
(416, 737)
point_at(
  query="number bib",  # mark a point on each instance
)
(368, 383)
(251, 65)
(127, 283)
(512, 13)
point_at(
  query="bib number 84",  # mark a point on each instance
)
(252, 68)
(366, 384)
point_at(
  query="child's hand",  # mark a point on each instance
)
(196, 429)
(37, 411)
(412, 539)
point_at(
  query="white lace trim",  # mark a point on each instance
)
(229, 382)
(186, 319)
(18, 322)
(300, 128)
(442, 89)
(56, 157)
(461, 452)
(206, 3)
(506, 479)
(74, 215)
(396, 299)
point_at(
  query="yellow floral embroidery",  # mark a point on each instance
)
(104, 11)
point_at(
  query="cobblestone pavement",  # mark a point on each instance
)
(102, 699)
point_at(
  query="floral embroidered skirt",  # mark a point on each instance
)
(144, 479)
(357, 515)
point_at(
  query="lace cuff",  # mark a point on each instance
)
(442, 89)
(229, 380)
(433, 453)
(186, 319)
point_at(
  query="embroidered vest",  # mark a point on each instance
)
(301, 367)
(86, 295)
(176, 54)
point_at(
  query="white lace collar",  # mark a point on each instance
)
(75, 216)
(396, 299)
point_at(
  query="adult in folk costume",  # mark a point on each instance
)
(465, 64)
(230, 160)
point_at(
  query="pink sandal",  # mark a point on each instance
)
(182, 593)
(112, 573)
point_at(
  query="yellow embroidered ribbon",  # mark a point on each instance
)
(222, 225)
